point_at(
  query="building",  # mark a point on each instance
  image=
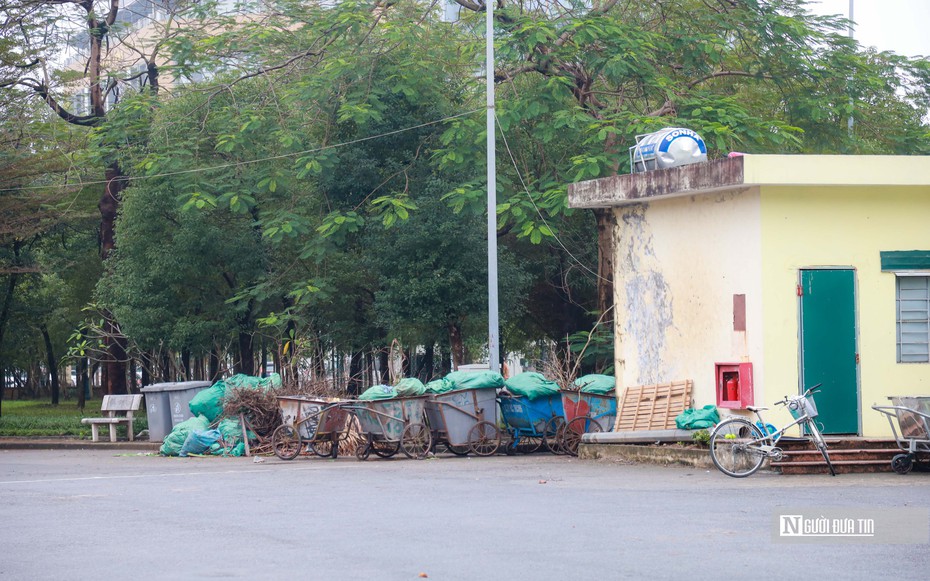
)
(759, 274)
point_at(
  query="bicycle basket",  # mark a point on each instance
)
(800, 405)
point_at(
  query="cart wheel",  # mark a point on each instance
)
(530, 444)
(385, 449)
(484, 439)
(573, 430)
(363, 450)
(416, 440)
(322, 448)
(286, 442)
(902, 463)
(457, 450)
(553, 433)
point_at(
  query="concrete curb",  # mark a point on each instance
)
(662, 455)
(9, 443)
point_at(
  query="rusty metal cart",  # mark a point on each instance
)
(585, 413)
(316, 424)
(533, 423)
(392, 424)
(912, 432)
(465, 420)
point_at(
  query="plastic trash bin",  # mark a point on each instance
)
(168, 404)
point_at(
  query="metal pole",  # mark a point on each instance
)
(849, 123)
(493, 324)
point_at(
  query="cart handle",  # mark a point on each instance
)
(882, 408)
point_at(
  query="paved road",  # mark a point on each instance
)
(69, 514)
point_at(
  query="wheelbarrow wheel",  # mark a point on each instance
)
(363, 450)
(573, 430)
(322, 448)
(285, 441)
(553, 432)
(902, 463)
(385, 449)
(484, 439)
(416, 440)
(529, 444)
(457, 450)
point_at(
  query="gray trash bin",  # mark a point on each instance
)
(167, 405)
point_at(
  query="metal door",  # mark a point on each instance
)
(828, 346)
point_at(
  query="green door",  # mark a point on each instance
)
(829, 354)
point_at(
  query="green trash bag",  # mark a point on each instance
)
(531, 384)
(209, 402)
(696, 419)
(439, 386)
(376, 392)
(409, 387)
(470, 380)
(596, 383)
(240, 380)
(173, 442)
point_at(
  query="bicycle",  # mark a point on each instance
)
(738, 447)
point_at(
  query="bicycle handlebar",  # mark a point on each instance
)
(810, 390)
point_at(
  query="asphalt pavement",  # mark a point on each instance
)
(124, 513)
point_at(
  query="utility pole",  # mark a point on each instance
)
(493, 322)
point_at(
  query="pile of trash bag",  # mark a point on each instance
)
(207, 432)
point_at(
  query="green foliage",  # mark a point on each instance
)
(701, 438)
(37, 418)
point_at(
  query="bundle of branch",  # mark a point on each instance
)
(260, 406)
(317, 389)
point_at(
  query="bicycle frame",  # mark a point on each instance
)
(773, 436)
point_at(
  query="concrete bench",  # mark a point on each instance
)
(119, 410)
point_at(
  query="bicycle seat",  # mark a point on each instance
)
(755, 409)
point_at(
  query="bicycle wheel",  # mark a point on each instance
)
(819, 442)
(731, 449)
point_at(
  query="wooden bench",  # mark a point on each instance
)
(119, 410)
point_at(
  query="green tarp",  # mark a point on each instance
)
(531, 384)
(596, 383)
(472, 380)
(378, 392)
(696, 419)
(409, 387)
(439, 386)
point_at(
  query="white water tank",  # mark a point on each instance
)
(669, 147)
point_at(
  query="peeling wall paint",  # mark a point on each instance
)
(648, 304)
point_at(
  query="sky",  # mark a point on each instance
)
(896, 25)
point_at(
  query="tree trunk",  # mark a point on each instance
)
(82, 383)
(186, 363)
(445, 361)
(383, 359)
(214, 366)
(354, 387)
(425, 373)
(52, 364)
(165, 367)
(457, 345)
(606, 222)
(132, 375)
(246, 361)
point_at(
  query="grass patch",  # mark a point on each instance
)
(40, 418)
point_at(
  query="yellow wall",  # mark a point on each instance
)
(840, 226)
(678, 263)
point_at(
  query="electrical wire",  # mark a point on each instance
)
(538, 211)
(246, 162)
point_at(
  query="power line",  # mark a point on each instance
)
(538, 211)
(246, 162)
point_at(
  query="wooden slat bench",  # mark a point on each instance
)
(119, 410)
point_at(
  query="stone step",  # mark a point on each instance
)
(839, 443)
(840, 454)
(841, 466)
